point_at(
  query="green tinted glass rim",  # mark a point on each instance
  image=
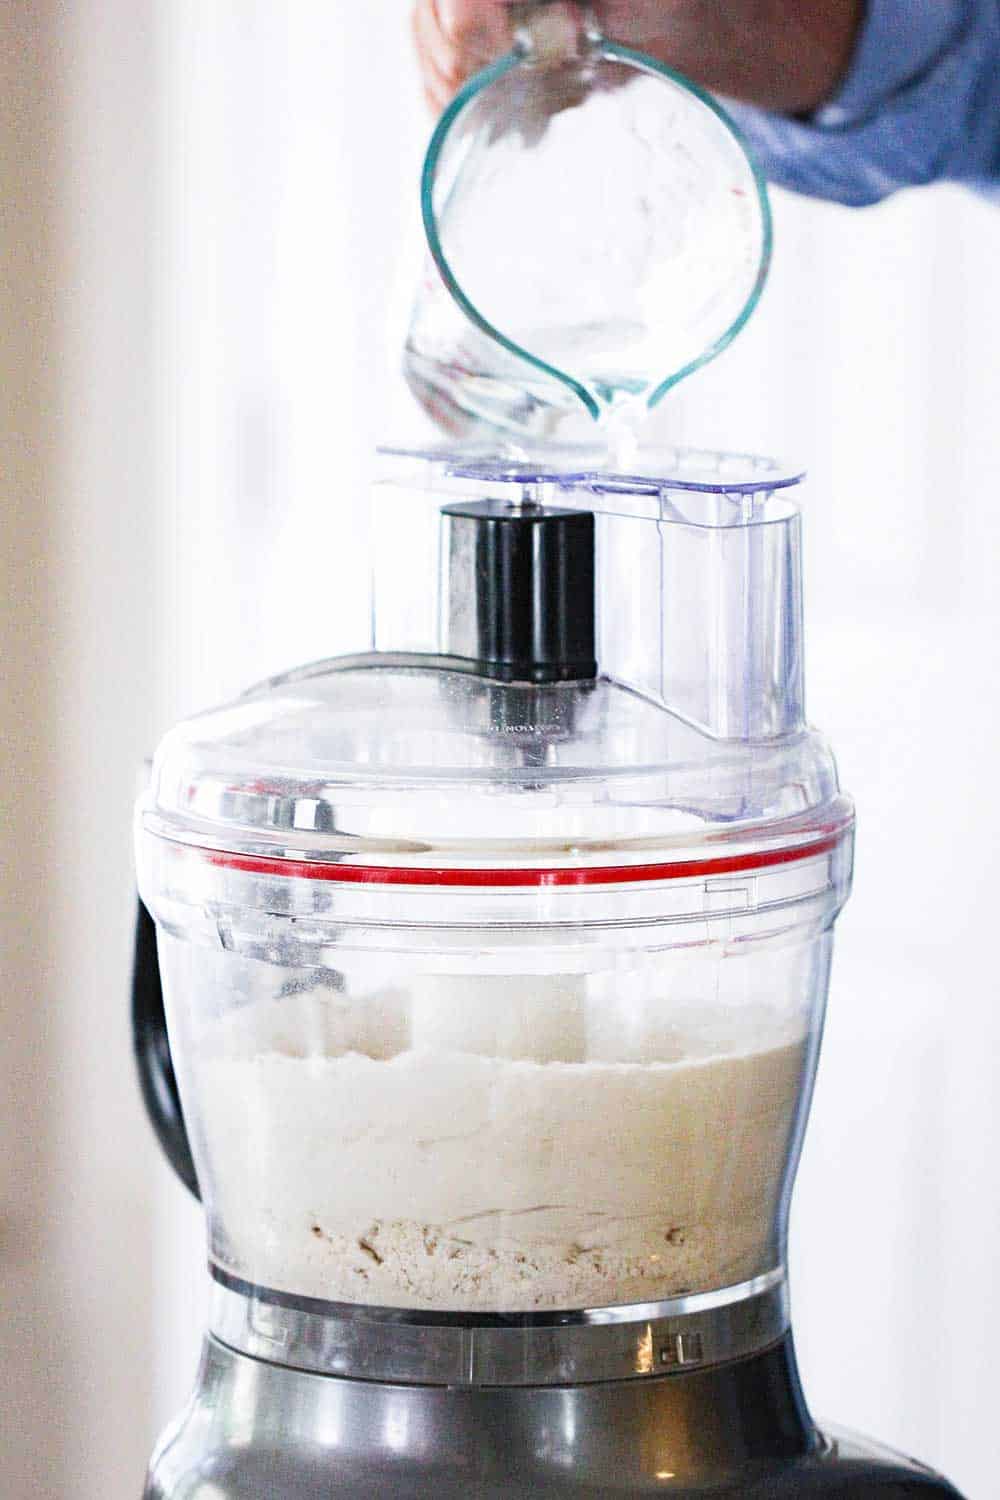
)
(640, 60)
(465, 96)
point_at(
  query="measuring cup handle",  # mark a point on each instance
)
(552, 31)
(151, 1046)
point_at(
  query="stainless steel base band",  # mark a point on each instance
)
(413, 1348)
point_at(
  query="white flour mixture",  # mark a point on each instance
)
(492, 1150)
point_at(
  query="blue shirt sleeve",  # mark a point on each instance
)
(920, 103)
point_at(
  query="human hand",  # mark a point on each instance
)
(784, 55)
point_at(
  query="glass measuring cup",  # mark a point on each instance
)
(597, 232)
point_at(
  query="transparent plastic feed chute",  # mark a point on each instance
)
(597, 232)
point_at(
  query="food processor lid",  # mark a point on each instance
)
(419, 759)
(432, 759)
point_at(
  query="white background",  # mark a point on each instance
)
(215, 237)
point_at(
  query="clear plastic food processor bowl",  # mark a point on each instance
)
(497, 988)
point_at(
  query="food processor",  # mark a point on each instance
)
(494, 960)
(481, 973)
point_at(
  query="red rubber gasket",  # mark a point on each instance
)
(558, 875)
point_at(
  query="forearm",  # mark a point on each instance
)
(920, 103)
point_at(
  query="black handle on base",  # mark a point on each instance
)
(152, 1054)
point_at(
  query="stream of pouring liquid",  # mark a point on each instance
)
(612, 441)
(620, 433)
